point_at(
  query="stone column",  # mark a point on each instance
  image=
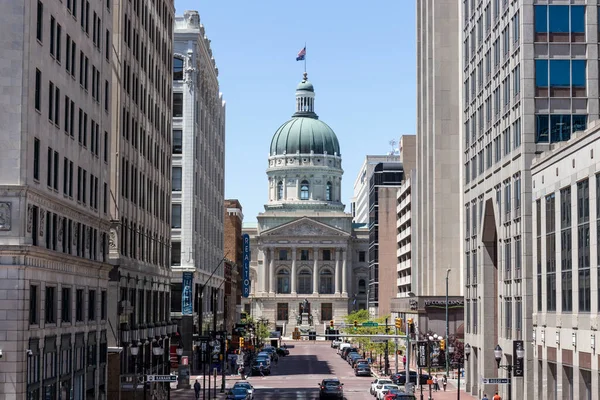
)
(293, 277)
(337, 271)
(271, 270)
(316, 271)
(265, 283)
(344, 272)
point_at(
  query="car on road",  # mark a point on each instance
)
(381, 392)
(353, 356)
(362, 369)
(400, 378)
(399, 395)
(331, 389)
(379, 382)
(266, 368)
(246, 385)
(282, 351)
(238, 393)
(335, 344)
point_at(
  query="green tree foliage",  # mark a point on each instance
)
(366, 344)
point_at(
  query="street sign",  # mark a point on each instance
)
(379, 340)
(246, 265)
(161, 378)
(494, 381)
(370, 323)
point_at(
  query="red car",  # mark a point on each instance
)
(399, 395)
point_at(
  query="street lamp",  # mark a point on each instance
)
(430, 339)
(508, 367)
(467, 352)
(447, 323)
(134, 349)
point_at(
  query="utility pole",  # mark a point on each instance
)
(396, 342)
(387, 360)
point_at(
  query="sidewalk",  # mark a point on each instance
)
(448, 394)
(177, 394)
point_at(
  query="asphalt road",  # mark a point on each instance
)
(297, 376)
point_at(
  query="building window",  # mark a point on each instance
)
(50, 303)
(283, 281)
(326, 312)
(39, 32)
(79, 305)
(175, 253)
(304, 190)
(283, 255)
(279, 190)
(326, 255)
(362, 286)
(176, 179)
(33, 305)
(66, 305)
(507, 260)
(282, 312)
(550, 254)
(565, 251)
(328, 191)
(559, 23)
(36, 159)
(538, 234)
(38, 90)
(177, 69)
(177, 104)
(362, 256)
(305, 282)
(326, 282)
(304, 256)
(556, 128)
(177, 141)
(560, 78)
(583, 245)
(91, 305)
(176, 216)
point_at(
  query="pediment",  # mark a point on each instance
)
(304, 227)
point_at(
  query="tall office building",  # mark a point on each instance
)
(233, 263)
(529, 81)
(360, 200)
(198, 182)
(54, 218)
(140, 187)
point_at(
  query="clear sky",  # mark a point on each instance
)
(360, 58)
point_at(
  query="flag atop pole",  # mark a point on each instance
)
(301, 54)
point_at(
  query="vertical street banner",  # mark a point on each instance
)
(422, 354)
(187, 304)
(246, 265)
(518, 365)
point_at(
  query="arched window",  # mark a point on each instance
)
(305, 282)
(283, 281)
(362, 286)
(304, 190)
(328, 192)
(326, 282)
(177, 69)
(279, 190)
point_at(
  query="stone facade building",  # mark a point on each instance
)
(54, 215)
(233, 258)
(305, 246)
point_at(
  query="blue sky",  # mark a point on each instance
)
(360, 58)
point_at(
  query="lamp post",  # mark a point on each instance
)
(135, 350)
(447, 327)
(430, 340)
(467, 352)
(508, 367)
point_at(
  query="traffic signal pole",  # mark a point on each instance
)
(396, 342)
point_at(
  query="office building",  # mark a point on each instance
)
(234, 219)
(305, 246)
(54, 215)
(140, 53)
(197, 217)
(529, 78)
(566, 301)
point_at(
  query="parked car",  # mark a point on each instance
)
(351, 357)
(399, 395)
(246, 385)
(347, 351)
(400, 378)
(356, 361)
(362, 369)
(335, 344)
(379, 382)
(381, 392)
(331, 389)
(238, 393)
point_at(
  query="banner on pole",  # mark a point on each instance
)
(187, 304)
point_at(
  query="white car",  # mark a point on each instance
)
(335, 343)
(378, 383)
(246, 385)
(384, 390)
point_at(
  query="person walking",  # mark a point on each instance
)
(496, 397)
(484, 397)
(260, 369)
(436, 385)
(444, 382)
(197, 389)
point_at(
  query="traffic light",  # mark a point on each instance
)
(442, 344)
(241, 343)
(355, 324)
(331, 324)
(411, 325)
(399, 323)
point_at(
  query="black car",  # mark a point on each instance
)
(282, 351)
(362, 369)
(400, 378)
(401, 395)
(238, 393)
(266, 369)
(331, 389)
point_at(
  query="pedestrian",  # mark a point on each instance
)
(404, 361)
(484, 397)
(275, 359)
(436, 386)
(496, 397)
(197, 389)
(260, 369)
(444, 382)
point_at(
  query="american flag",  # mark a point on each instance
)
(301, 54)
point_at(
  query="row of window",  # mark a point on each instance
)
(283, 311)
(142, 244)
(561, 236)
(511, 309)
(140, 190)
(148, 306)
(66, 304)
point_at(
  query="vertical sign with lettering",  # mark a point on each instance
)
(518, 365)
(246, 265)
(186, 293)
(422, 354)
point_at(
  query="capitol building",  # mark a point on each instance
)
(305, 245)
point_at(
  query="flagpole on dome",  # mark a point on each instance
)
(305, 57)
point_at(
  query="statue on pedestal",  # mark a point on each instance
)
(304, 306)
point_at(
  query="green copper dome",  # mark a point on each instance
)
(304, 134)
